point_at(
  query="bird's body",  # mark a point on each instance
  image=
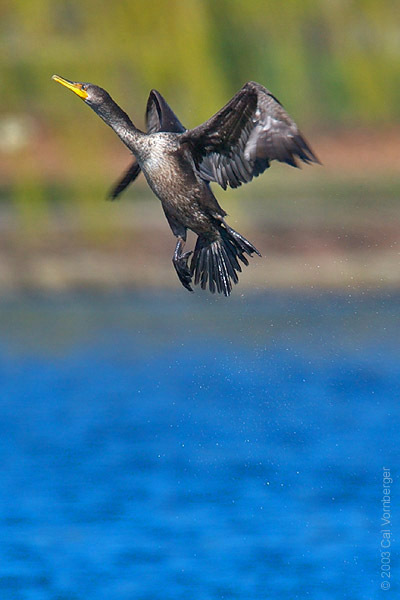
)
(231, 148)
(170, 173)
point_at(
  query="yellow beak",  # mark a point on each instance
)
(75, 87)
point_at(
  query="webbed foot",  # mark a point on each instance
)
(180, 262)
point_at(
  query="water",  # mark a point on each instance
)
(170, 446)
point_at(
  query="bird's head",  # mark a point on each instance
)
(93, 95)
(104, 106)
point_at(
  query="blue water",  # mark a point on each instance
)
(177, 446)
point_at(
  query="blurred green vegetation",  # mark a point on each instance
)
(333, 60)
(333, 63)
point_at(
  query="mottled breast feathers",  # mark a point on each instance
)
(159, 117)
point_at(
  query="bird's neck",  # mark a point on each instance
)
(119, 121)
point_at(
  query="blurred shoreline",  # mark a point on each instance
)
(63, 257)
(335, 226)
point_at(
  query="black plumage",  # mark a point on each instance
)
(235, 145)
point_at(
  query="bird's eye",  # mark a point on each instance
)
(83, 87)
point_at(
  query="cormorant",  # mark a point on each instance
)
(235, 145)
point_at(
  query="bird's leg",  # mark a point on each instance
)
(180, 262)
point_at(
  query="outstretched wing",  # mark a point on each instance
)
(159, 117)
(239, 142)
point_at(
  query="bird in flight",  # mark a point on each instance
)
(233, 146)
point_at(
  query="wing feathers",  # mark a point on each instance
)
(160, 116)
(130, 175)
(239, 142)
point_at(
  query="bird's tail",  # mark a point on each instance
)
(215, 262)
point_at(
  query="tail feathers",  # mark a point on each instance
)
(216, 262)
